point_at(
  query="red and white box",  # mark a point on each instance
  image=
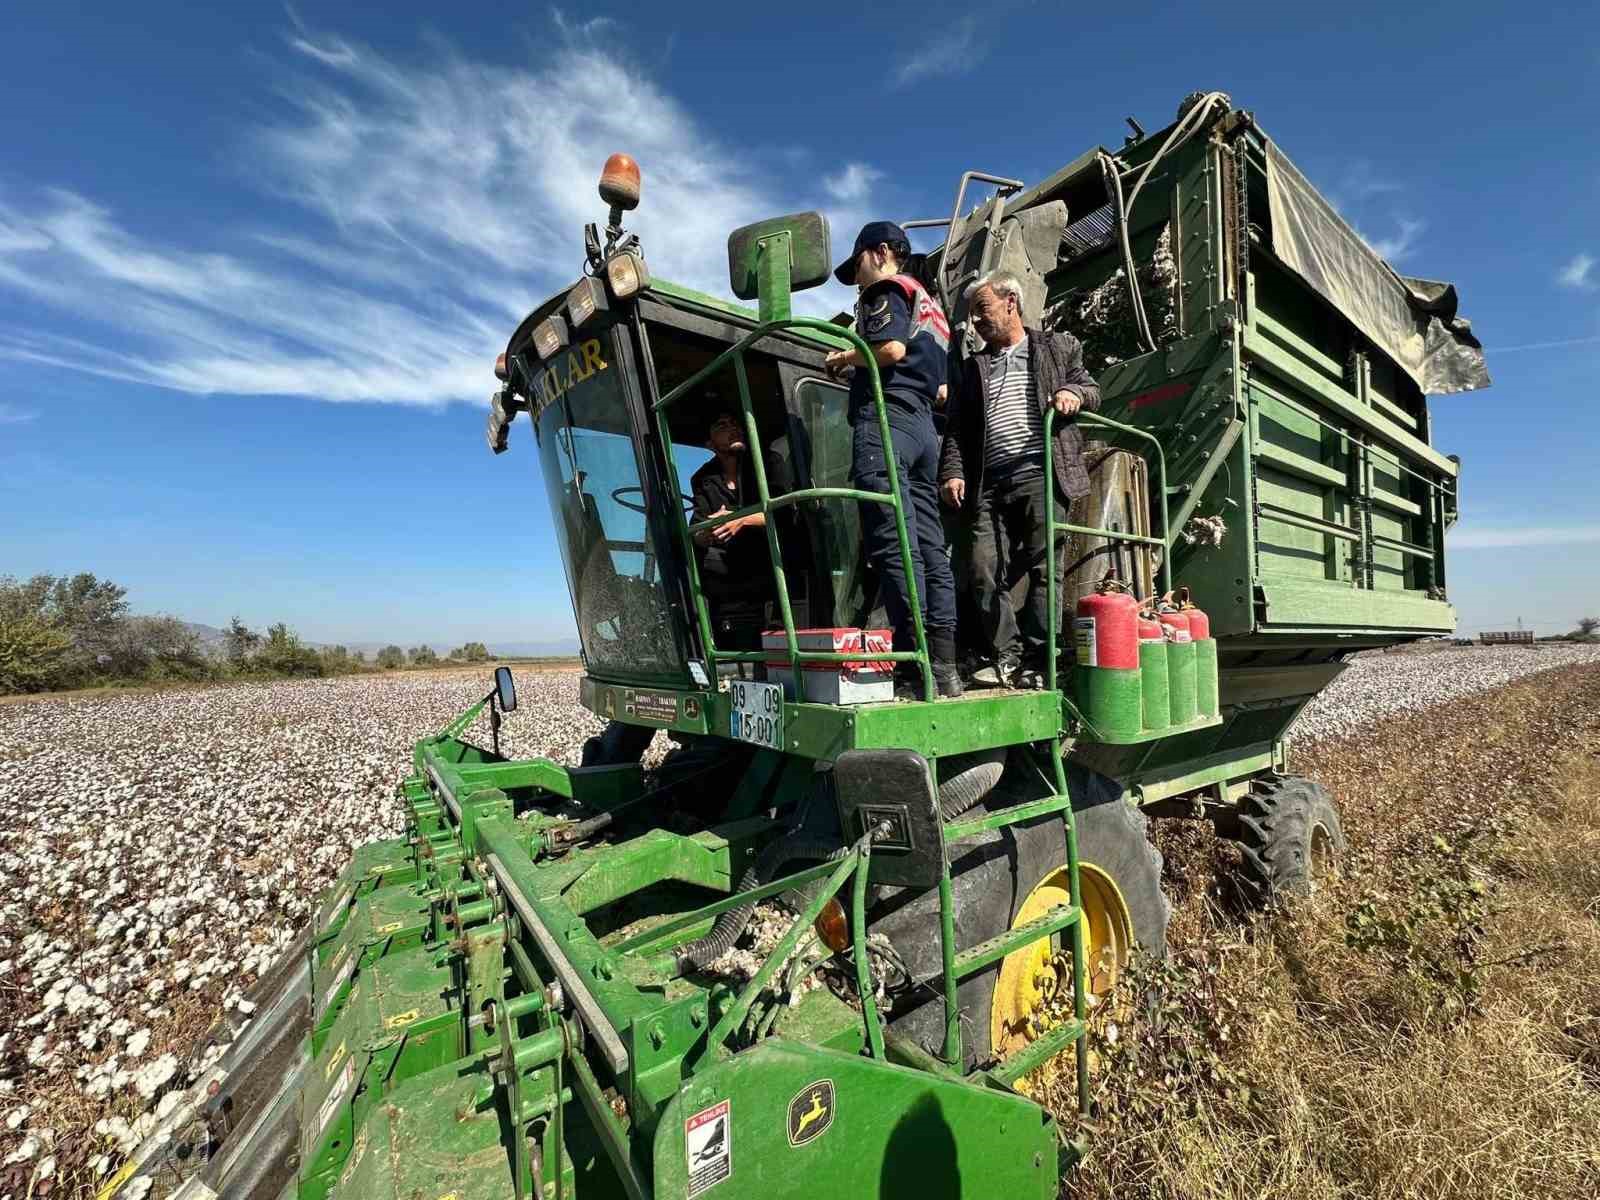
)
(856, 681)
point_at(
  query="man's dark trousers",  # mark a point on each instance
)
(916, 451)
(1008, 545)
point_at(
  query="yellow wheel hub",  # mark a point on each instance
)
(1034, 989)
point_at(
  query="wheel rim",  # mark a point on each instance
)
(1035, 983)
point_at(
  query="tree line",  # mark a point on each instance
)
(59, 631)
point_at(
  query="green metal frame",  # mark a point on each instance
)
(1055, 528)
(767, 504)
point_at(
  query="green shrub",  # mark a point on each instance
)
(33, 654)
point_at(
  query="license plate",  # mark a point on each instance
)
(757, 713)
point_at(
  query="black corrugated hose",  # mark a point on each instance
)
(969, 780)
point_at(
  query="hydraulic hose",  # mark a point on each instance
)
(732, 924)
(971, 778)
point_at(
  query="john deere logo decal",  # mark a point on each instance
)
(811, 1112)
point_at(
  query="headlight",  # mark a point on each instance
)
(583, 301)
(550, 335)
(627, 274)
(503, 410)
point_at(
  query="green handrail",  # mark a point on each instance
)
(767, 504)
(1054, 527)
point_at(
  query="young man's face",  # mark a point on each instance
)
(726, 435)
(874, 265)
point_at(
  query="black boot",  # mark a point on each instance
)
(946, 664)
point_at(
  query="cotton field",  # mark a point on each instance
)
(1377, 685)
(159, 850)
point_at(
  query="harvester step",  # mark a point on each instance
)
(957, 830)
(996, 948)
(1038, 1052)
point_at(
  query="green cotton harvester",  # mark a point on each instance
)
(821, 946)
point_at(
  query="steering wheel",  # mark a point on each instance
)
(618, 493)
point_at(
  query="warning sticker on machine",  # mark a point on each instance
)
(330, 1104)
(708, 1144)
(338, 981)
(1083, 635)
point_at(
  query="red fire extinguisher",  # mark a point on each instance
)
(1106, 682)
(1180, 660)
(1106, 628)
(1205, 657)
(1155, 697)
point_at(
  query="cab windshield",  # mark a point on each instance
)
(591, 473)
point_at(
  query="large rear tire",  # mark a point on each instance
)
(1010, 877)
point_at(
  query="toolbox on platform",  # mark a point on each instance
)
(856, 681)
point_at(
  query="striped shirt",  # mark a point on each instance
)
(1013, 426)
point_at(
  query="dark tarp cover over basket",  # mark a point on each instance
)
(1414, 321)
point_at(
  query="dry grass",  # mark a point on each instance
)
(1314, 1070)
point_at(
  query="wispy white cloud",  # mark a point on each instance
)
(1558, 344)
(432, 202)
(853, 183)
(1579, 273)
(12, 414)
(1362, 180)
(952, 51)
(1508, 537)
(1402, 241)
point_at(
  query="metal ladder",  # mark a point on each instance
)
(1065, 917)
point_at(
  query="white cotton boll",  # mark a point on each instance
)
(138, 1042)
(25, 1151)
(136, 1189)
(168, 1102)
(153, 1076)
(17, 1116)
(46, 1168)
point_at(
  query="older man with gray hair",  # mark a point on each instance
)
(991, 468)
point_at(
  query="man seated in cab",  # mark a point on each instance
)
(735, 567)
(909, 337)
(735, 572)
(992, 469)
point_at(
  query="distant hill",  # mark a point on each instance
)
(213, 640)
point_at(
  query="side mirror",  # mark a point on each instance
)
(506, 688)
(772, 258)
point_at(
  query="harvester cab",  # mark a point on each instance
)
(825, 942)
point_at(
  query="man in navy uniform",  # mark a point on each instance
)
(910, 338)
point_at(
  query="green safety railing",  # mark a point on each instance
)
(826, 881)
(767, 504)
(956, 964)
(1055, 528)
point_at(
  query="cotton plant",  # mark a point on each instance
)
(166, 850)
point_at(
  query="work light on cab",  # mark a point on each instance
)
(627, 275)
(550, 335)
(583, 301)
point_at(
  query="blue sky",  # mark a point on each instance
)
(255, 263)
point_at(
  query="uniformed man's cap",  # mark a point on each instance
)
(873, 234)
